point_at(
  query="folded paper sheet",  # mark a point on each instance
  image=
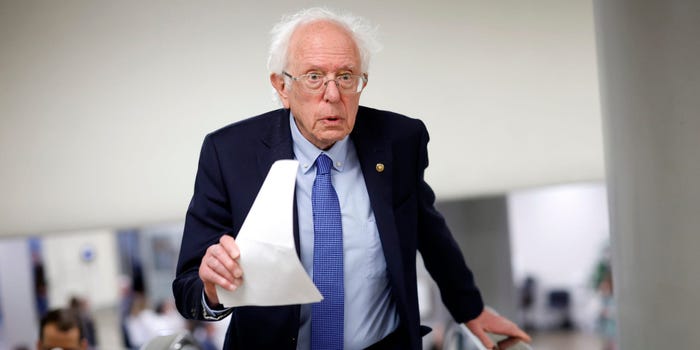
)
(272, 272)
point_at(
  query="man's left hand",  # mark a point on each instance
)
(489, 321)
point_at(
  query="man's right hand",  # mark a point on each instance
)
(219, 266)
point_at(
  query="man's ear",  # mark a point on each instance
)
(280, 85)
(84, 344)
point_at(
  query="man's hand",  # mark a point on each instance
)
(489, 321)
(220, 267)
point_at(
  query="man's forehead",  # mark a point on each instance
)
(311, 67)
(55, 337)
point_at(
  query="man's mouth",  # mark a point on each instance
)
(331, 118)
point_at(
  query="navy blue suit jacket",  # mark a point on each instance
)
(232, 167)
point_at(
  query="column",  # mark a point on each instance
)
(17, 294)
(649, 66)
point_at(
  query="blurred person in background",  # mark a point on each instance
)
(81, 308)
(603, 282)
(139, 321)
(205, 333)
(60, 329)
(168, 320)
(528, 294)
(143, 323)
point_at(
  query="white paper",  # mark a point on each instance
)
(272, 272)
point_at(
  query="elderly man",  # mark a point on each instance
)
(362, 207)
(60, 329)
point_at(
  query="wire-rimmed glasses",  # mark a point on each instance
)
(315, 82)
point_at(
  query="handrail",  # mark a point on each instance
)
(459, 337)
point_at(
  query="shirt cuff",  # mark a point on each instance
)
(212, 314)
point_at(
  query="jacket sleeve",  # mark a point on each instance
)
(441, 254)
(208, 218)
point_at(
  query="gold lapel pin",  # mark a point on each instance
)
(379, 167)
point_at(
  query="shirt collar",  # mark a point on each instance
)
(306, 153)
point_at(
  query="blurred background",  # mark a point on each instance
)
(104, 105)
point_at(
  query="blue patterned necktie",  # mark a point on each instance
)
(327, 315)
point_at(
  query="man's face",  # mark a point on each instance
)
(55, 338)
(325, 48)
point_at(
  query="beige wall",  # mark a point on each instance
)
(103, 105)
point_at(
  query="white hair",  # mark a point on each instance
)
(362, 32)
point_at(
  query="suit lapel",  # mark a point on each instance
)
(375, 155)
(277, 144)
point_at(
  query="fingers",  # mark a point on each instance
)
(512, 330)
(478, 331)
(494, 323)
(229, 244)
(230, 249)
(505, 344)
(219, 266)
(489, 321)
(485, 340)
(519, 333)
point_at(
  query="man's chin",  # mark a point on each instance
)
(334, 135)
(328, 140)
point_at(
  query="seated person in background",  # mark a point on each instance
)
(60, 328)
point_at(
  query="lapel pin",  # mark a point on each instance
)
(379, 167)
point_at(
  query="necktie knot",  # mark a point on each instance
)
(323, 164)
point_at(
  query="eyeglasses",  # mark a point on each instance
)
(315, 83)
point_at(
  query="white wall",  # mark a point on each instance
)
(103, 105)
(82, 264)
(558, 235)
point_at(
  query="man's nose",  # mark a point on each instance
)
(331, 94)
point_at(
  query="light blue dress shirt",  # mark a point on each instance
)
(370, 311)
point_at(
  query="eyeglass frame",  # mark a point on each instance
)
(361, 87)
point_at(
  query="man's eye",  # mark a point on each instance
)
(314, 76)
(345, 77)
